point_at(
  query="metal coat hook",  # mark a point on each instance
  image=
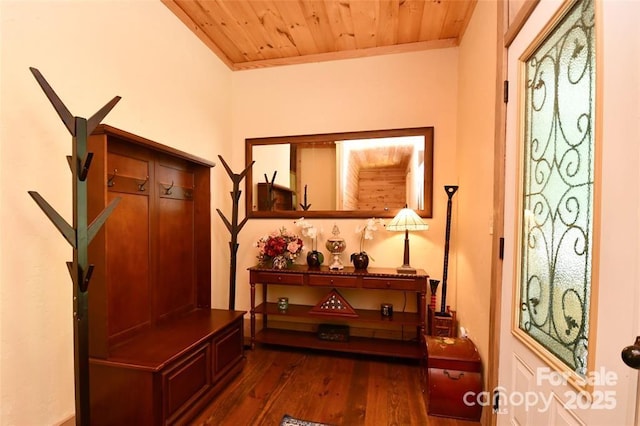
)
(87, 277)
(167, 190)
(84, 166)
(110, 180)
(141, 185)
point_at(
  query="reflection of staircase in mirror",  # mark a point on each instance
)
(381, 188)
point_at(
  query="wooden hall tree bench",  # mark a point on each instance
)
(168, 374)
(158, 352)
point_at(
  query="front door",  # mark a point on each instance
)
(572, 196)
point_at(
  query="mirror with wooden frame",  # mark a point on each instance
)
(340, 175)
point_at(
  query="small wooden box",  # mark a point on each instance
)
(332, 332)
(442, 325)
(454, 378)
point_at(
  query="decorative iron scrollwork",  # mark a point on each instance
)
(558, 189)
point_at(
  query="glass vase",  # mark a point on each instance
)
(279, 262)
(314, 259)
(360, 260)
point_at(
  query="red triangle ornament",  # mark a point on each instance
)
(334, 305)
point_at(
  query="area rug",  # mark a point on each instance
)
(287, 420)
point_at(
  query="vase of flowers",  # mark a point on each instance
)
(361, 260)
(314, 257)
(279, 249)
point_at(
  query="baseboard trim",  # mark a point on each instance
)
(70, 421)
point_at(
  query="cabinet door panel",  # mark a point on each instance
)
(176, 265)
(121, 396)
(227, 349)
(175, 239)
(127, 239)
(185, 381)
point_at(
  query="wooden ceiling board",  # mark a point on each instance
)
(341, 25)
(410, 14)
(222, 28)
(252, 24)
(295, 23)
(365, 17)
(275, 29)
(433, 19)
(187, 19)
(388, 22)
(249, 34)
(458, 16)
(317, 18)
(252, 48)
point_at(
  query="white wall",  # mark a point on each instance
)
(474, 203)
(403, 90)
(174, 91)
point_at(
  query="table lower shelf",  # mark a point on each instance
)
(359, 345)
(361, 315)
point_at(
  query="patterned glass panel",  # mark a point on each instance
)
(557, 189)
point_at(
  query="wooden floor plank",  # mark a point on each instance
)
(336, 389)
(356, 398)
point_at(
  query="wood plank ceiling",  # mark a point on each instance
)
(247, 34)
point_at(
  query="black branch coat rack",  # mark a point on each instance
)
(234, 227)
(78, 235)
(270, 200)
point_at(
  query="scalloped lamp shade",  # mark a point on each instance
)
(406, 220)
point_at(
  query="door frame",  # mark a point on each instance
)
(506, 33)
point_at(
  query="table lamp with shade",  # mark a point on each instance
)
(406, 220)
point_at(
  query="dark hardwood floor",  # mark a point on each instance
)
(329, 388)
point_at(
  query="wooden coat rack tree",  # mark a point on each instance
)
(234, 227)
(79, 235)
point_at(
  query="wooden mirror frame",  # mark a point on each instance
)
(427, 132)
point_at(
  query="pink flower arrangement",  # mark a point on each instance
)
(280, 243)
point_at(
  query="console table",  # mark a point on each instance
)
(370, 280)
